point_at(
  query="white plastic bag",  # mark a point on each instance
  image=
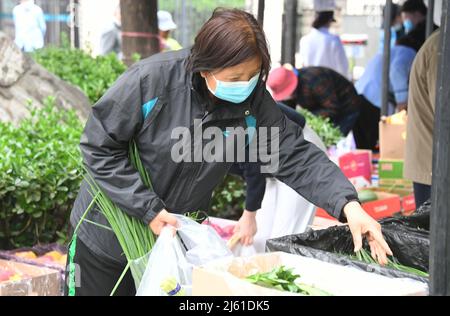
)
(244, 251)
(173, 258)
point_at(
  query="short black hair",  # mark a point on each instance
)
(323, 18)
(228, 38)
(411, 6)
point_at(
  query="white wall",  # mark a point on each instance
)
(273, 23)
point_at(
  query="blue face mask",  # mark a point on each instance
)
(408, 25)
(234, 92)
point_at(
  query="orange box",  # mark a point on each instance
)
(407, 199)
(409, 204)
(387, 205)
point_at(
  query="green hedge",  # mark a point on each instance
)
(39, 176)
(92, 75)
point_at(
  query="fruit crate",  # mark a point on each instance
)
(19, 279)
(52, 256)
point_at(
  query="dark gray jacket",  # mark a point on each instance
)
(146, 104)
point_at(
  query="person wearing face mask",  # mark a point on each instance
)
(397, 29)
(414, 12)
(216, 85)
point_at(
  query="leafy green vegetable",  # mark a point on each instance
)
(329, 134)
(284, 280)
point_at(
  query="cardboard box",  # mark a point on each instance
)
(393, 136)
(394, 184)
(387, 205)
(38, 281)
(357, 167)
(390, 169)
(227, 278)
(407, 199)
(408, 204)
(390, 174)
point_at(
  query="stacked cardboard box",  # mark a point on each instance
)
(29, 280)
(391, 163)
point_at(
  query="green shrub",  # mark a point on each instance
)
(39, 176)
(92, 75)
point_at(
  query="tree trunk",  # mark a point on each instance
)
(139, 28)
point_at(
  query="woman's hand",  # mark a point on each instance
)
(162, 219)
(246, 227)
(361, 223)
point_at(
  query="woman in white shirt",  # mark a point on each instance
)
(320, 48)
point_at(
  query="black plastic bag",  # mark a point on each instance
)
(408, 238)
(420, 220)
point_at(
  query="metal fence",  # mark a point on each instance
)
(190, 15)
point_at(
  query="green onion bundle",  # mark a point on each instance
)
(393, 263)
(134, 236)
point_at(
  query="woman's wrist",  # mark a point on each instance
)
(352, 208)
(248, 213)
